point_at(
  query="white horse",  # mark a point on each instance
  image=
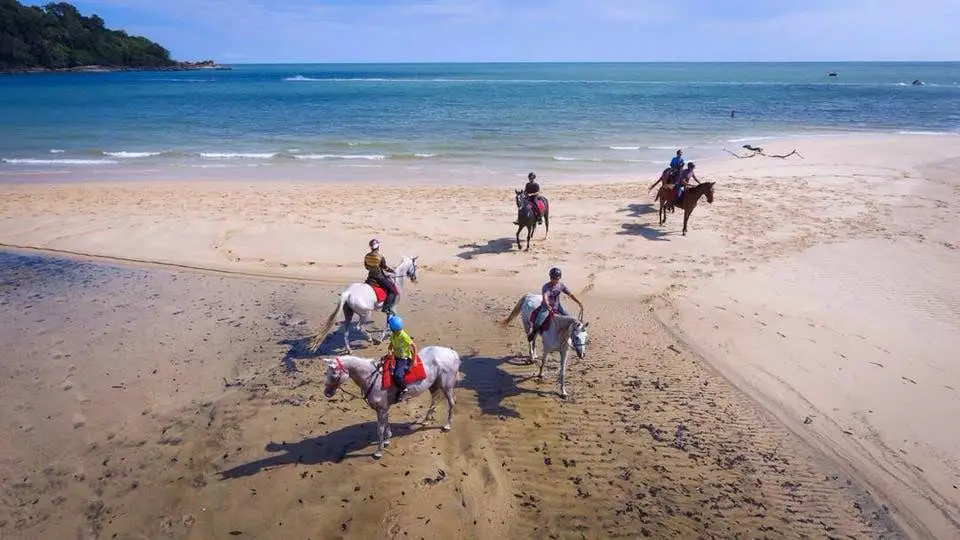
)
(442, 366)
(360, 299)
(563, 333)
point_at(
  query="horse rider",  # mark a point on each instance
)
(684, 180)
(403, 349)
(532, 191)
(377, 271)
(676, 165)
(551, 292)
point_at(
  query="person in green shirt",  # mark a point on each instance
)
(403, 349)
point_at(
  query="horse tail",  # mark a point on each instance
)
(515, 312)
(318, 339)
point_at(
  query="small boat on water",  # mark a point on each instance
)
(832, 74)
(917, 82)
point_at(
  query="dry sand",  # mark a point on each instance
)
(831, 297)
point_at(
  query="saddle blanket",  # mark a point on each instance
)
(378, 291)
(415, 374)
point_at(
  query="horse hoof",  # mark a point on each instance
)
(386, 443)
(445, 427)
(563, 394)
(377, 455)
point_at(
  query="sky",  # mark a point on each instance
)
(275, 31)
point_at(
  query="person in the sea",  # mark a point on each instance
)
(532, 191)
(684, 181)
(377, 271)
(551, 292)
(403, 349)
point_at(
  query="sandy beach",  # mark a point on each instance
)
(783, 370)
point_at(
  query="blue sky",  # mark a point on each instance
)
(540, 30)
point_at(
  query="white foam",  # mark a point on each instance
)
(131, 155)
(564, 158)
(425, 155)
(748, 139)
(936, 133)
(237, 155)
(27, 161)
(624, 147)
(340, 156)
(662, 147)
(56, 151)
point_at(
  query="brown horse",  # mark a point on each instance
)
(688, 203)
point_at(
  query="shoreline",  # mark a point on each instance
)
(177, 66)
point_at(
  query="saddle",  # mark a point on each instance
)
(415, 374)
(540, 320)
(535, 203)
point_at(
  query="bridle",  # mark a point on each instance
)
(340, 371)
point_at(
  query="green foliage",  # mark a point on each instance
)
(57, 36)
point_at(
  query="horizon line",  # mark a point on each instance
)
(362, 62)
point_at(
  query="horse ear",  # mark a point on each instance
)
(586, 324)
(415, 257)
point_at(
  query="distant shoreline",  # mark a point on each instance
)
(177, 66)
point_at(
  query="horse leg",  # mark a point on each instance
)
(433, 407)
(686, 216)
(519, 245)
(347, 319)
(448, 392)
(546, 222)
(533, 350)
(383, 335)
(530, 230)
(563, 371)
(543, 362)
(382, 420)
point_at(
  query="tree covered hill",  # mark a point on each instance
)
(57, 36)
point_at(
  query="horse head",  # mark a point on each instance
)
(521, 197)
(578, 337)
(709, 192)
(576, 331)
(408, 268)
(335, 376)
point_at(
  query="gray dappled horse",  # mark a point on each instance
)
(563, 333)
(441, 365)
(360, 299)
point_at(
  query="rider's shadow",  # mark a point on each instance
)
(333, 447)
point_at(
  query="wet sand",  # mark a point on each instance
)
(201, 415)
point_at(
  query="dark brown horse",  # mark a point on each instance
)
(527, 218)
(690, 198)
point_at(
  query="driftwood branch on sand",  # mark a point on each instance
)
(757, 151)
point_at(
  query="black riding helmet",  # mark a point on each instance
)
(531, 177)
(555, 273)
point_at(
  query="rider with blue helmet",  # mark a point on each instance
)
(403, 349)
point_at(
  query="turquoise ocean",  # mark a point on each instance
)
(447, 121)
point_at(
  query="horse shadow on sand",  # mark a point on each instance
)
(636, 210)
(492, 384)
(492, 247)
(645, 230)
(332, 447)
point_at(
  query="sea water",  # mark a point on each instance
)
(448, 122)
